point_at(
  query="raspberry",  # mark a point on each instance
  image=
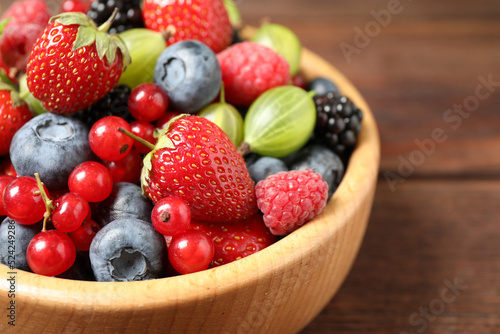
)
(249, 69)
(290, 199)
(27, 11)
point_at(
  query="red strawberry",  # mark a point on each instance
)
(195, 160)
(74, 64)
(238, 240)
(203, 20)
(13, 114)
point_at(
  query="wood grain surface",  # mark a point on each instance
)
(438, 224)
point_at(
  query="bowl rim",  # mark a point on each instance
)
(191, 288)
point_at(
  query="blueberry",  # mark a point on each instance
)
(126, 201)
(323, 86)
(128, 250)
(264, 167)
(52, 146)
(14, 241)
(323, 161)
(190, 74)
(81, 269)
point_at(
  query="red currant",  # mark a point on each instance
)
(146, 131)
(50, 253)
(171, 216)
(55, 194)
(69, 213)
(4, 182)
(83, 236)
(191, 251)
(23, 201)
(127, 169)
(107, 142)
(299, 81)
(160, 124)
(91, 180)
(6, 167)
(148, 102)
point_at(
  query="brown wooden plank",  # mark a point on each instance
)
(423, 235)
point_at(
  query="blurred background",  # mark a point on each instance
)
(430, 70)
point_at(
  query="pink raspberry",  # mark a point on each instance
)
(290, 199)
(28, 11)
(249, 69)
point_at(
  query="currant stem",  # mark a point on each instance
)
(169, 32)
(46, 200)
(222, 93)
(137, 138)
(106, 25)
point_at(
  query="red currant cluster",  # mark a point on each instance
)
(51, 252)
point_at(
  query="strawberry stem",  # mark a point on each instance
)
(106, 25)
(46, 200)
(244, 149)
(137, 138)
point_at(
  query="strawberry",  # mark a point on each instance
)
(204, 20)
(238, 240)
(74, 64)
(13, 114)
(195, 160)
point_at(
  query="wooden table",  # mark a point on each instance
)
(430, 261)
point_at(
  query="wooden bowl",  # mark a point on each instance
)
(278, 290)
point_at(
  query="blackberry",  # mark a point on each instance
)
(129, 14)
(338, 122)
(112, 104)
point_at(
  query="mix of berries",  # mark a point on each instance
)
(139, 143)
